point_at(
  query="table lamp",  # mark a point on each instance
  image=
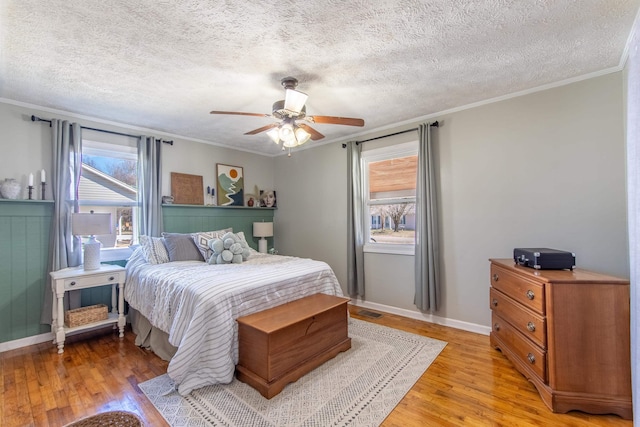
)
(262, 229)
(90, 224)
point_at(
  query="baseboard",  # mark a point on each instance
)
(465, 326)
(457, 324)
(38, 339)
(25, 342)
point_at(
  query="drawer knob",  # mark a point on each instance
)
(532, 358)
(72, 283)
(531, 327)
(111, 278)
(531, 294)
(495, 277)
(496, 326)
(494, 302)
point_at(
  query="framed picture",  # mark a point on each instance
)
(230, 185)
(268, 199)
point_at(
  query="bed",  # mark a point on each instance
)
(193, 305)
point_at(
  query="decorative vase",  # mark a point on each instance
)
(10, 188)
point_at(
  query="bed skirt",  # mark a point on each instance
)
(150, 337)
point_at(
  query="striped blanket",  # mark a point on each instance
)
(197, 304)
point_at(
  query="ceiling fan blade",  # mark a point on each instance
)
(237, 113)
(315, 135)
(262, 129)
(337, 120)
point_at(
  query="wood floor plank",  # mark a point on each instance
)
(469, 383)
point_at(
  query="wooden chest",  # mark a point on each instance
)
(279, 345)
(567, 332)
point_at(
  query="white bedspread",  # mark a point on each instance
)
(197, 304)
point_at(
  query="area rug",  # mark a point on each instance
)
(359, 387)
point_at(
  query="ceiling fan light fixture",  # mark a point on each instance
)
(274, 134)
(286, 132)
(302, 135)
(294, 101)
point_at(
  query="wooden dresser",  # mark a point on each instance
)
(567, 332)
(279, 345)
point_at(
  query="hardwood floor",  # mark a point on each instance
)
(469, 384)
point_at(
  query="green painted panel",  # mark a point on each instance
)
(191, 218)
(24, 241)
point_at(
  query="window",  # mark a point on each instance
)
(390, 197)
(109, 185)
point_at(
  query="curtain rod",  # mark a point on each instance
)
(38, 119)
(434, 124)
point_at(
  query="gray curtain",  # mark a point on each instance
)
(150, 185)
(355, 227)
(427, 251)
(65, 250)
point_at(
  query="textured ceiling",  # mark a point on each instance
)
(163, 65)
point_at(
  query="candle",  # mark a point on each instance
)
(42, 176)
(30, 180)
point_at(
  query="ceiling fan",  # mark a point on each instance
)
(290, 112)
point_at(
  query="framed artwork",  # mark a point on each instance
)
(187, 189)
(230, 185)
(268, 199)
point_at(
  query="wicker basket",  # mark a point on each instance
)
(84, 315)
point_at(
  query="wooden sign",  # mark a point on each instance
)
(187, 189)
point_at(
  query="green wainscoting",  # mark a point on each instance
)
(192, 218)
(24, 253)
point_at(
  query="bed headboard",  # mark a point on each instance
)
(193, 218)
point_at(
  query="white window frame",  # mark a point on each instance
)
(106, 149)
(375, 155)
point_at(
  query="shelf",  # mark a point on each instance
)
(112, 319)
(168, 205)
(26, 201)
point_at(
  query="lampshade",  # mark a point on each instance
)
(263, 229)
(90, 224)
(294, 100)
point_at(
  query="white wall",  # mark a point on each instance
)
(541, 170)
(26, 148)
(632, 124)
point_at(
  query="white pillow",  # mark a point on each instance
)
(154, 250)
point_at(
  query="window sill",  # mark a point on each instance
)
(118, 254)
(378, 248)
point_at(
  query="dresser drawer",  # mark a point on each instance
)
(527, 322)
(524, 349)
(528, 293)
(89, 281)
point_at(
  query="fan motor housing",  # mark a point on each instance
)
(280, 112)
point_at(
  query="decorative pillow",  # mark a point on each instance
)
(240, 234)
(154, 250)
(181, 247)
(202, 238)
(229, 249)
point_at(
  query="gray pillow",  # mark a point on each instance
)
(181, 247)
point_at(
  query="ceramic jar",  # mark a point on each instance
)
(10, 188)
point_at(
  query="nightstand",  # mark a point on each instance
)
(72, 278)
